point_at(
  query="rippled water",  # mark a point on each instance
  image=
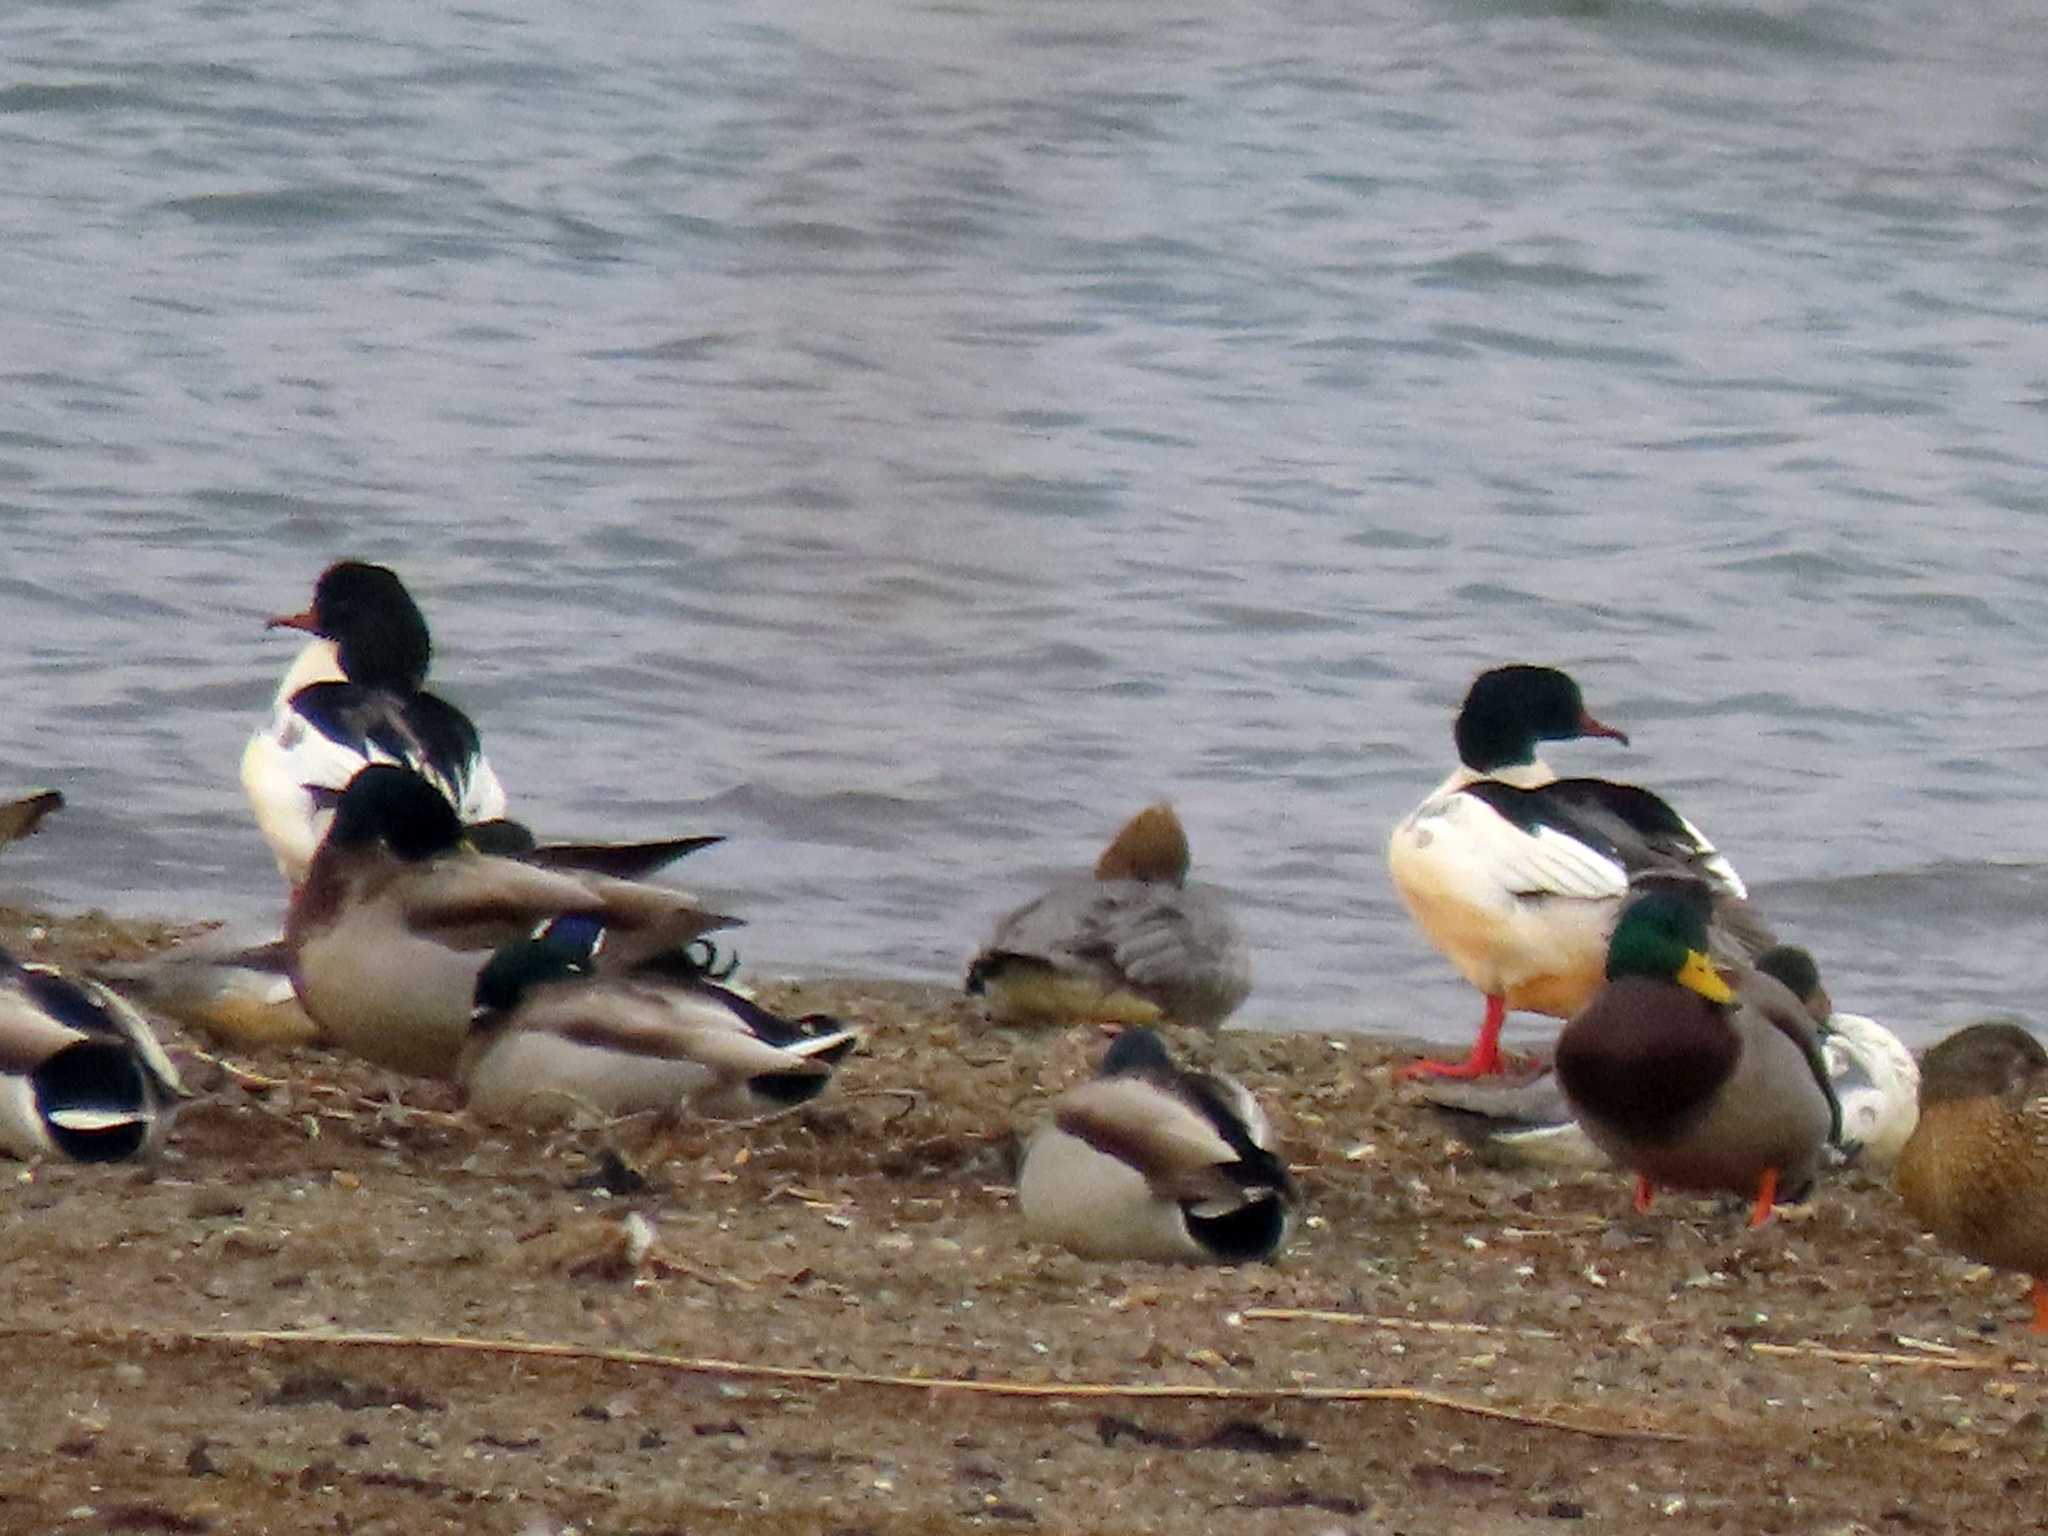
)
(908, 437)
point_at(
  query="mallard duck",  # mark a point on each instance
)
(81, 1074)
(550, 1036)
(24, 814)
(1692, 1082)
(238, 993)
(1527, 1122)
(1975, 1171)
(356, 694)
(1148, 1161)
(1516, 875)
(1129, 942)
(398, 914)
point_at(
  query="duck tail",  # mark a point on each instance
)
(94, 1100)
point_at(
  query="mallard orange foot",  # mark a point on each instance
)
(1766, 1197)
(1485, 1060)
(2040, 1304)
(1645, 1193)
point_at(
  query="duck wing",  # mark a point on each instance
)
(422, 731)
(1785, 1012)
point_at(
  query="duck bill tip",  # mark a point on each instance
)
(1588, 726)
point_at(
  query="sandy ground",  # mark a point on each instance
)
(1525, 1353)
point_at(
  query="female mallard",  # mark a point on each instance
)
(550, 1036)
(1516, 874)
(1689, 1082)
(1975, 1172)
(1130, 942)
(81, 1074)
(1528, 1122)
(356, 695)
(398, 914)
(1146, 1161)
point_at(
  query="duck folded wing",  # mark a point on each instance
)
(1533, 846)
(1786, 1013)
(1171, 937)
(479, 901)
(1635, 828)
(1176, 1148)
(422, 731)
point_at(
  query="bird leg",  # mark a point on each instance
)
(1645, 1193)
(1766, 1197)
(2040, 1304)
(1485, 1058)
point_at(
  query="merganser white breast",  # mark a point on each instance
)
(1517, 875)
(356, 695)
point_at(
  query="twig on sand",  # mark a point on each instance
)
(739, 1370)
(1951, 1362)
(1368, 1320)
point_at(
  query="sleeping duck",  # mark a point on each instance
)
(1148, 1161)
(399, 913)
(1129, 942)
(1975, 1172)
(1692, 1080)
(1516, 874)
(81, 1074)
(1527, 1122)
(550, 1036)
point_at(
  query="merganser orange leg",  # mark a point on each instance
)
(1485, 1060)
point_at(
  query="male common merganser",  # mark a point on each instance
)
(1689, 1081)
(1130, 942)
(81, 1074)
(1975, 1172)
(1528, 1123)
(1148, 1161)
(399, 913)
(356, 694)
(550, 1036)
(1516, 874)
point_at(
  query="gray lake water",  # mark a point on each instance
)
(910, 436)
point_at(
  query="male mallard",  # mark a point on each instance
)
(1147, 1161)
(398, 914)
(1516, 874)
(81, 1074)
(550, 1036)
(1975, 1172)
(1688, 1081)
(355, 695)
(1129, 942)
(24, 814)
(1527, 1122)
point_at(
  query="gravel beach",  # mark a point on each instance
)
(336, 1304)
